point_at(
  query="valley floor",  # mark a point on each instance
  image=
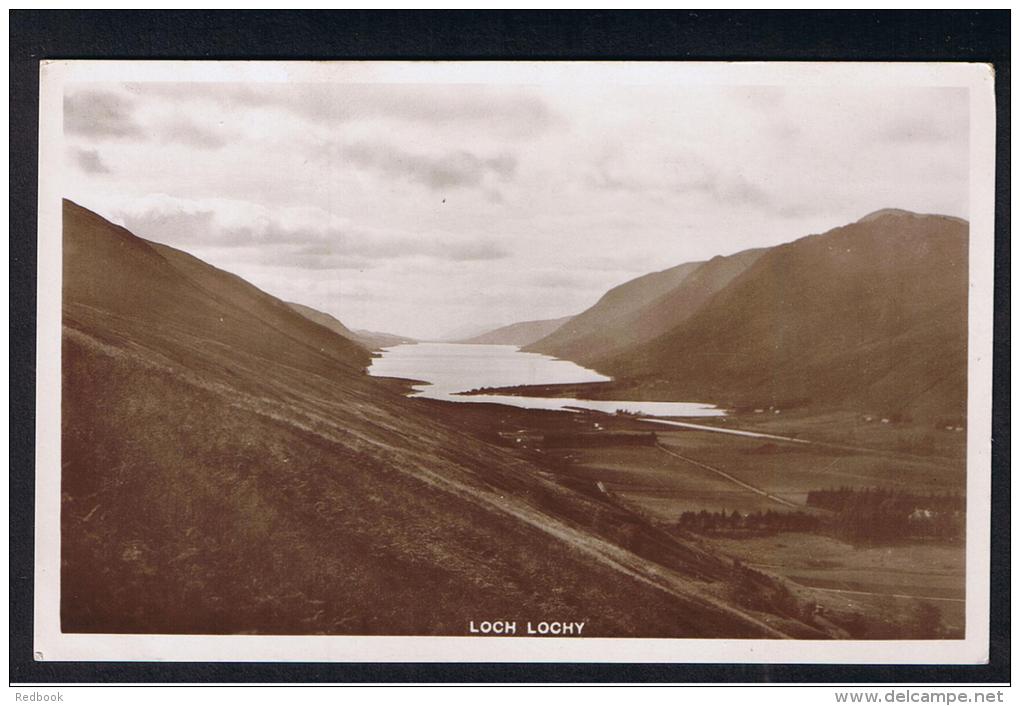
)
(691, 471)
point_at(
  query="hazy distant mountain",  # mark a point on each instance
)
(520, 334)
(459, 333)
(871, 315)
(228, 467)
(599, 328)
(376, 339)
(369, 339)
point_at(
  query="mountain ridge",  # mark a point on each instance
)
(871, 314)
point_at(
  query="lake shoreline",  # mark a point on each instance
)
(449, 370)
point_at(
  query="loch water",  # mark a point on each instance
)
(446, 369)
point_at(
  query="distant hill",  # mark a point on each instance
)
(376, 339)
(369, 339)
(228, 467)
(598, 329)
(462, 332)
(872, 315)
(520, 334)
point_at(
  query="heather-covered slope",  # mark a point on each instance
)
(872, 315)
(227, 467)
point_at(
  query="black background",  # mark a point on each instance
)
(973, 36)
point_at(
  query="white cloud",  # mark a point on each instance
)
(421, 208)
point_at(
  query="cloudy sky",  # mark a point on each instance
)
(430, 209)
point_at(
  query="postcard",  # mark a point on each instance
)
(514, 361)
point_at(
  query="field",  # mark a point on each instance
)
(895, 577)
(691, 471)
(862, 431)
(658, 479)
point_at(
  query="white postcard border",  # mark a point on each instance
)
(52, 645)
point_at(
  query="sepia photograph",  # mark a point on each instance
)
(521, 361)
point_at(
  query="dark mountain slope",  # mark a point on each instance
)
(520, 334)
(111, 273)
(664, 313)
(595, 329)
(872, 315)
(323, 319)
(227, 467)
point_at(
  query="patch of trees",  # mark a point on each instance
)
(858, 515)
(884, 514)
(837, 499)
(751, 523)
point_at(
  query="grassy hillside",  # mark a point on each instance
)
(872, 315)
(229, 468)
(520, 334)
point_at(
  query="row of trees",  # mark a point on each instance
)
(860, 515)
(846, 498)
(754, 522)
(884, 514)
